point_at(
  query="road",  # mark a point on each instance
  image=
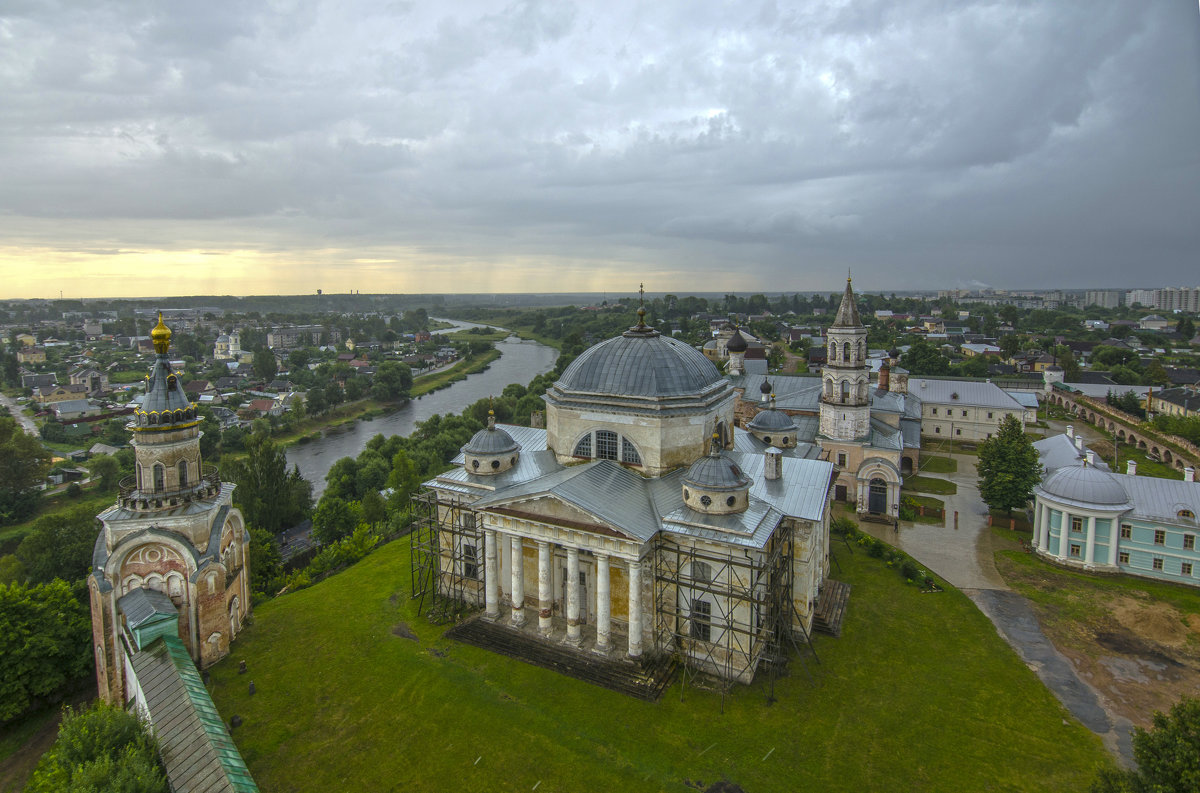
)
(15, 409)
(962, 552)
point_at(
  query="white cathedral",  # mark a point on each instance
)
(640, 520)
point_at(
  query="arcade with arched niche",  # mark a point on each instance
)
(878, 483)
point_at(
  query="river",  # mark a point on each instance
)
(520, 361)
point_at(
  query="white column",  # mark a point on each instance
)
(1114, 537)
(491, 575)
(1037, 524)
(1090, 549)
(635, 609)
(518, 582)
(545, 596)
(1064, 535)
(573, 633)
(603, 607)
(1045, 537)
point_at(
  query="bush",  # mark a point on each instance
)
(102, 749)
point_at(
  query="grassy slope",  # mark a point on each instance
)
(919, 694)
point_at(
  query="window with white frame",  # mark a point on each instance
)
(1126, 531)
(1158, 563)
(1160, 537)
(1189, 542)
(1185, 568)
(1123, 557)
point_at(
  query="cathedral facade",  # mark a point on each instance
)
(639, 521)
(173, 547)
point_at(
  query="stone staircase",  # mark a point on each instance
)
(831, 607)
(645, 679)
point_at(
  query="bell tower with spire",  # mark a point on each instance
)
(173, 549)
(845, 392)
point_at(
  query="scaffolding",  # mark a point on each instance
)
(723, 614)
(448, 556)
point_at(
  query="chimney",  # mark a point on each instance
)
(885, 376)
(1090, 457)
(1079, 442)
(1131, 467)
(772, 463)
(1189, 474)
(1070, 430)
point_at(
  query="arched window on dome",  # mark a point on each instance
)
(183, 475)
(629, 453)
(584, 447)
(160, 478)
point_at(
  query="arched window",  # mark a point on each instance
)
(629, 454)
(832, 351)
(139, 476)
(183, 476)
(584, 447)
(845, 391)
(1186, 513)
(160, 474)
(606, 445)
(862, 351)
(846, 352)
(153, 418)
(829, 388)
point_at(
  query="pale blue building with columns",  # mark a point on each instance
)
(1090, 518)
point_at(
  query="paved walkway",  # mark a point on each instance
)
(963, 555)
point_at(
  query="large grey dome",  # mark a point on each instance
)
(1085, 484)
(490, 441)
(640, 364)
(771, 421)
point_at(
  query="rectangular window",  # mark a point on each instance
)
(1076, 549)
(1185, 568)
(1077, 524)
(1158, 563)
(964, 414)
(841, 459)
(1189, 542)
(1123, 557)
(1126, 531)
(470, 567)
(958, 431)
(938, 430)
(935, 411)
(1160, 537)
(989, 414)
(701, 620)
(606, 445)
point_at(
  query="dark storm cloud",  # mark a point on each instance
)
(924, 144)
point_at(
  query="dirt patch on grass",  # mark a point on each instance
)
(1139, 653)
(402, 630)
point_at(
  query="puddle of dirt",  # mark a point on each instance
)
(1158, 622)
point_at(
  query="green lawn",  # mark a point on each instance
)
(437, 380)
(929, 502)
(935, 464)
(11, 535)
(919, 694)
(927, 484)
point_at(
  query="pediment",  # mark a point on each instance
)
(555, 511)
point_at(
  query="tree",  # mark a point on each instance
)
(1010, 345)
(45, 644)
(1008, 467)
(373, 508)
(266, 565)
(1186, 328)
(60, 545)
(269, 496)
(334, 518)
(1167, 754)
(264, 364)
(923, 358)
(392, 381)
(106, 469)
(103, 749)
(24, 463)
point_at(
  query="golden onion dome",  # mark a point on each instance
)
(161, 336)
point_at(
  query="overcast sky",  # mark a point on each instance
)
(154, 148)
